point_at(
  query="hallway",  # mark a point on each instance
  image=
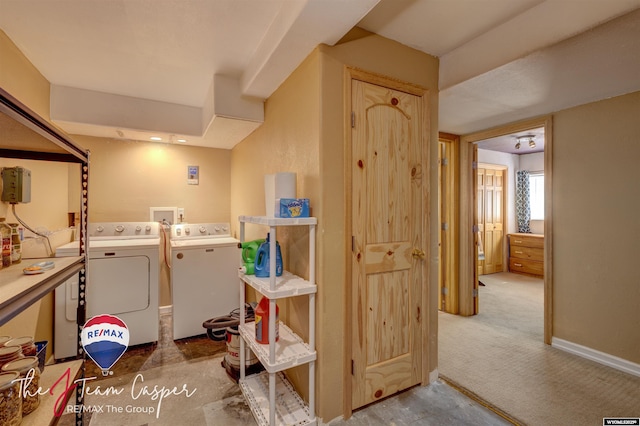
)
(499, 355)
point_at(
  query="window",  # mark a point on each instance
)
(536, 195)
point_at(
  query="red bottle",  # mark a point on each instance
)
(262, 321)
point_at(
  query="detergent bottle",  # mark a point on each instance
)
(249, 250)
(261, 267)
(262, 321)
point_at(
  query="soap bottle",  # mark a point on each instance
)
(261, 264)
(262, 321)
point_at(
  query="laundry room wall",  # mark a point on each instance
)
(286, 142)
(49, 191)
(128, 177)
(303, 132)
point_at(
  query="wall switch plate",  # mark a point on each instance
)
(180, 217)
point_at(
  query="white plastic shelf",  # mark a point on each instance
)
(287, 285)
(290, 351)
(279, 221)
(290, 408)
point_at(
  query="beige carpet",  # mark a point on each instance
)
(499, 355)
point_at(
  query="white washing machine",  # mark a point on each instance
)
(123, 281)
(204, 275)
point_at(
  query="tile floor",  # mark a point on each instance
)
(436, 404)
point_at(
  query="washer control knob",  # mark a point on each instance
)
(225, 229)
(138, 228)
(178, 231)
(119, 228)
(148, 228)
(187, 231)
(217, 229)
(100, 228)
(202, 230)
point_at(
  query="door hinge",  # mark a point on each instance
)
(475, 229)
(474, 165)
(353, 368)
(353, 243)
(445, 226)
(445, 290)
(353, 119)
(475, 292)
(445, 162)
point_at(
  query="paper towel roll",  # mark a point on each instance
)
(279, 185)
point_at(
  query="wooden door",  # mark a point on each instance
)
(490, 189)
(388, 259)
(447, 203)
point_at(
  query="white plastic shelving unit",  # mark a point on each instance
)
(272, 399)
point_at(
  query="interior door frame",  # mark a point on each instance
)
(427, 325)
(468, 264)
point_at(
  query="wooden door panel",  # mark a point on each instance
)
(389, 206)
(388, 257)
(387, 316)
(387, 217)
(389, 377)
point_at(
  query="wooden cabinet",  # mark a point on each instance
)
(526, 254)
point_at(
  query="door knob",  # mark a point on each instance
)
(417, 253)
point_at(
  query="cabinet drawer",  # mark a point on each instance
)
(525, 266)
(527, 240)
(527, 253)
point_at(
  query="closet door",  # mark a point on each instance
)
(491, 218)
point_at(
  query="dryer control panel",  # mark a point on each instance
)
(199, 230)
(123, 230)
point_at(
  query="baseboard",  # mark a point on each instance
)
(597, 356)
(166, 310)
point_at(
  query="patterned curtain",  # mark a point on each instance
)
(523, 210)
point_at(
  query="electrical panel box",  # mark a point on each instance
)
(16, 185)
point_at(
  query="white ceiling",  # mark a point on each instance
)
(500, 60)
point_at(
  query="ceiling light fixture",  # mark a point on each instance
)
(155, 138)
(528, 139)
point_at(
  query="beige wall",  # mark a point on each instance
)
(20, 78)
(304, 132)
(596, 227)
(126, 178)
(287, 141)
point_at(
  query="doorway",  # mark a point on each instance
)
(468, 219)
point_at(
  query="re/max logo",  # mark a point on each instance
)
(104, 332)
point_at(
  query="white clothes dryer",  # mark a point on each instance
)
(204, 275)
(123, 280)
